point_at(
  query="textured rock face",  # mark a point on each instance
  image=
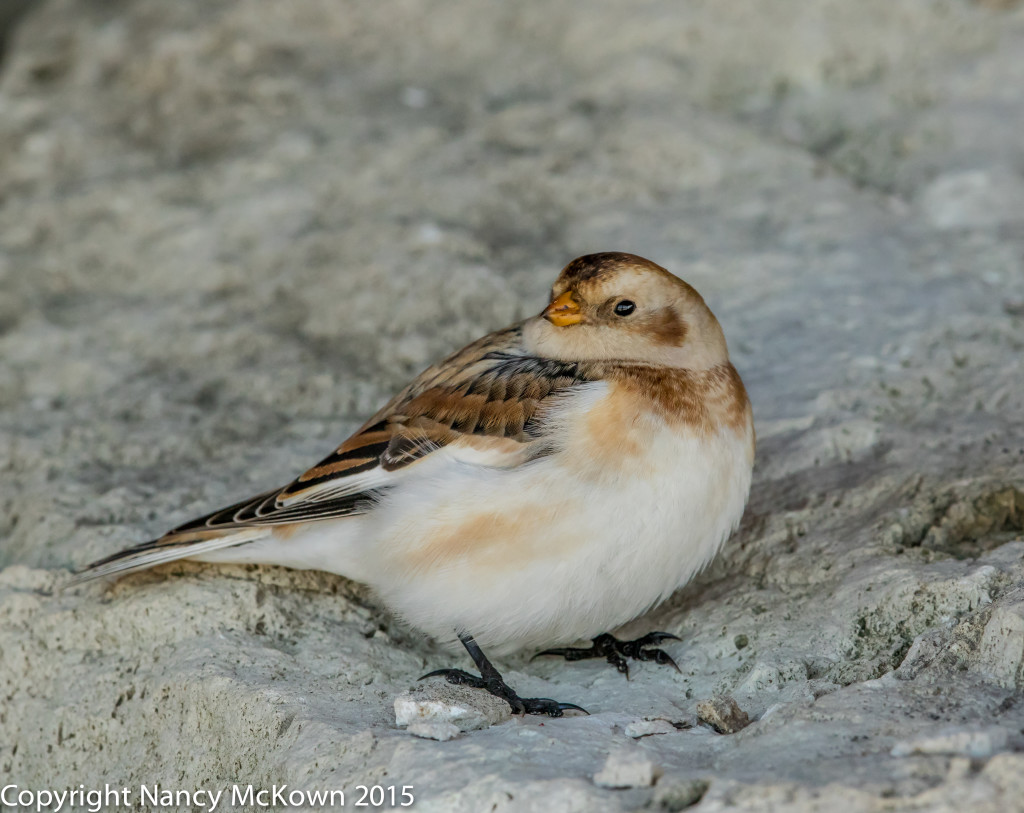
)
(228, 231)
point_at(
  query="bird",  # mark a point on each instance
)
(547, 483)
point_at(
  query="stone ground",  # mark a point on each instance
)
(229, 230)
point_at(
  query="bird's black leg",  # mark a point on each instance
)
(492, 681)
(616, 652)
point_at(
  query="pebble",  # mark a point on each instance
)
(627, 769)
(434, 730)
(723, 714)
(467, 709)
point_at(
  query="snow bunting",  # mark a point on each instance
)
(548, 482)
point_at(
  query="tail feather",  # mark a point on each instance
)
(167, 548)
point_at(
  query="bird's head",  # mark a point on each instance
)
(615, 306)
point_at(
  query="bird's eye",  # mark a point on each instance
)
(624, 308)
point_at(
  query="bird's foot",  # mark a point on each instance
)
(616, 652)
(496, 685)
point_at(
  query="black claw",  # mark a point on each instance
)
(491, 681)
(622, 665)
(659, 656)
(616, 652)
(456, 676)
(552, 708)
(566, 652)
(657, 638)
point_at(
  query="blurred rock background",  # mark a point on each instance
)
(230, 230)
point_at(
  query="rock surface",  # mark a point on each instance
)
(723, 714)
(627, 768)
(229, 230)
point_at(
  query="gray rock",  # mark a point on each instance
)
(975, 198)
(1001, 653)
(975, 744)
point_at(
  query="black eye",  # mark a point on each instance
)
(624, 308)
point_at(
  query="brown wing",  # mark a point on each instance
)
(488, 395)
(488, 399)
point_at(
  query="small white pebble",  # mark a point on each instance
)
(465, 708)
(434, 730)
(627, 769)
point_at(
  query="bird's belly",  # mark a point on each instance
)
(559, 550)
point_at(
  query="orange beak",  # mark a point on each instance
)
(563, 311)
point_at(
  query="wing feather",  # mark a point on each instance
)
(485, 403)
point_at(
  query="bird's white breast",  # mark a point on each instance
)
(573, 544)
